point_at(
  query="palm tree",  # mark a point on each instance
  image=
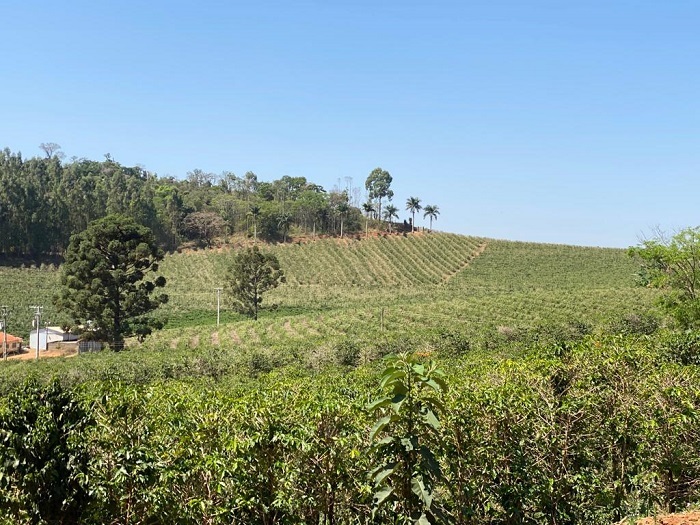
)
(431, 211)
(368, 208)
(390, 211)
(413, 205)
(283, 222)
(255, 213)
(342, 209)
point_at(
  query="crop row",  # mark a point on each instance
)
(591, 433)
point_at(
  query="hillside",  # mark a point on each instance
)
(434, 280)
(547, 385)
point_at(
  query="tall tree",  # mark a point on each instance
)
(255, 213)
(368, 208)
(431, 211)
(283, 222)
(107, 278)
(342, 210)
(378, 185)
(413, 205)
(251, 274)
(390, 213)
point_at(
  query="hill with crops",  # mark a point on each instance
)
(436, 280)
(418, 378)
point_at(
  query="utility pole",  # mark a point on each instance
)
(218, 305)
(37, 325)
(4, 311)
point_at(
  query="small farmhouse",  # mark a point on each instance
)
(50, 337)
(14, 344)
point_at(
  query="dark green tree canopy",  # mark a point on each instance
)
(251, 274)
(107, 279)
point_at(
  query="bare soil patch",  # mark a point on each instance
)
(62, 351)
(684, 518)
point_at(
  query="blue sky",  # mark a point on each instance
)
(548, 121)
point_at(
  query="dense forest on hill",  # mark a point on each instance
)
(44, 200)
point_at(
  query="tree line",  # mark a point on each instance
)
(44, 200)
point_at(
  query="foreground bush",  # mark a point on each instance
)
(588, 432)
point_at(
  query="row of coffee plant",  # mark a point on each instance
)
(585, 432)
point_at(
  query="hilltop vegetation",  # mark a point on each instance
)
(45, 200)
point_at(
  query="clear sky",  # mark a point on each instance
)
(561, 121)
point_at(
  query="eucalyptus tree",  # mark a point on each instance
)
(431, 211)
(378, 184)
(391, 212)
(413, 205)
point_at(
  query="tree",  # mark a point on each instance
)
(106, 279)
(391, 212)
(368, 208)
(204, 226)
(340, 205)
(52, 149)
(378, 184)
(255, 213)
(413, 205)
(405, 435)
(283, 223)
(251, 274)
(431, 211)
(673, 264)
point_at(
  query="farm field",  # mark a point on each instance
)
(438, 281)
(566, 402)
(335, 286)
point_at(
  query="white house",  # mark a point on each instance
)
(54, 334)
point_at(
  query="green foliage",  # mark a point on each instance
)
(378, 186)
(682, 348)
(43, 455)
(405, 435)
(413, 205)
(431, 211)
(673, 264)
(104, 279)
(251, 274)
(588, 432)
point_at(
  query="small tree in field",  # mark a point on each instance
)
(251, 274)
